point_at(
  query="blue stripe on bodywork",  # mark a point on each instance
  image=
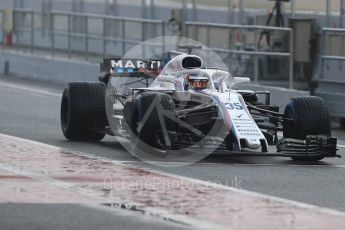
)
(119, 70)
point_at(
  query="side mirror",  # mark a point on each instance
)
(239, 80)
(167, 78)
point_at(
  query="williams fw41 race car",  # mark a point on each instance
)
(179, 103)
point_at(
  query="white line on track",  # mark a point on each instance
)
(341, 146)
(29, 89)
(155, 212)
(137, 163)
(206, 183)
(48, 93)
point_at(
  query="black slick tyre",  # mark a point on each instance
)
(83, 116)
(309, 116)
(152, 103)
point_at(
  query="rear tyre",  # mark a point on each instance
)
(152, 103)
(83, 115)
(310, 117)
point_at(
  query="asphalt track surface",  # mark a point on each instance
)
(31, 110)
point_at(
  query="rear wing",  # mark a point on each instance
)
(117, 67)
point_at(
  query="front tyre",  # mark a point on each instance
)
(306, 116)
(83, 116)
(152, 110)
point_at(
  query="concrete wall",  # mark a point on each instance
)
(160, 11)
(48, 69)
(279, 96)
(59, 70)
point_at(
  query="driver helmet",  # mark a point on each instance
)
(196, 82)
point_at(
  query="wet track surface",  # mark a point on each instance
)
(36, 173)
(34, 114)
(74, 216)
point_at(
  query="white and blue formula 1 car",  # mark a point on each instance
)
(182, 103)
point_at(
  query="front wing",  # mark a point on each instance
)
(312, 147)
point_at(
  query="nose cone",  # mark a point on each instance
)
(253, 144)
